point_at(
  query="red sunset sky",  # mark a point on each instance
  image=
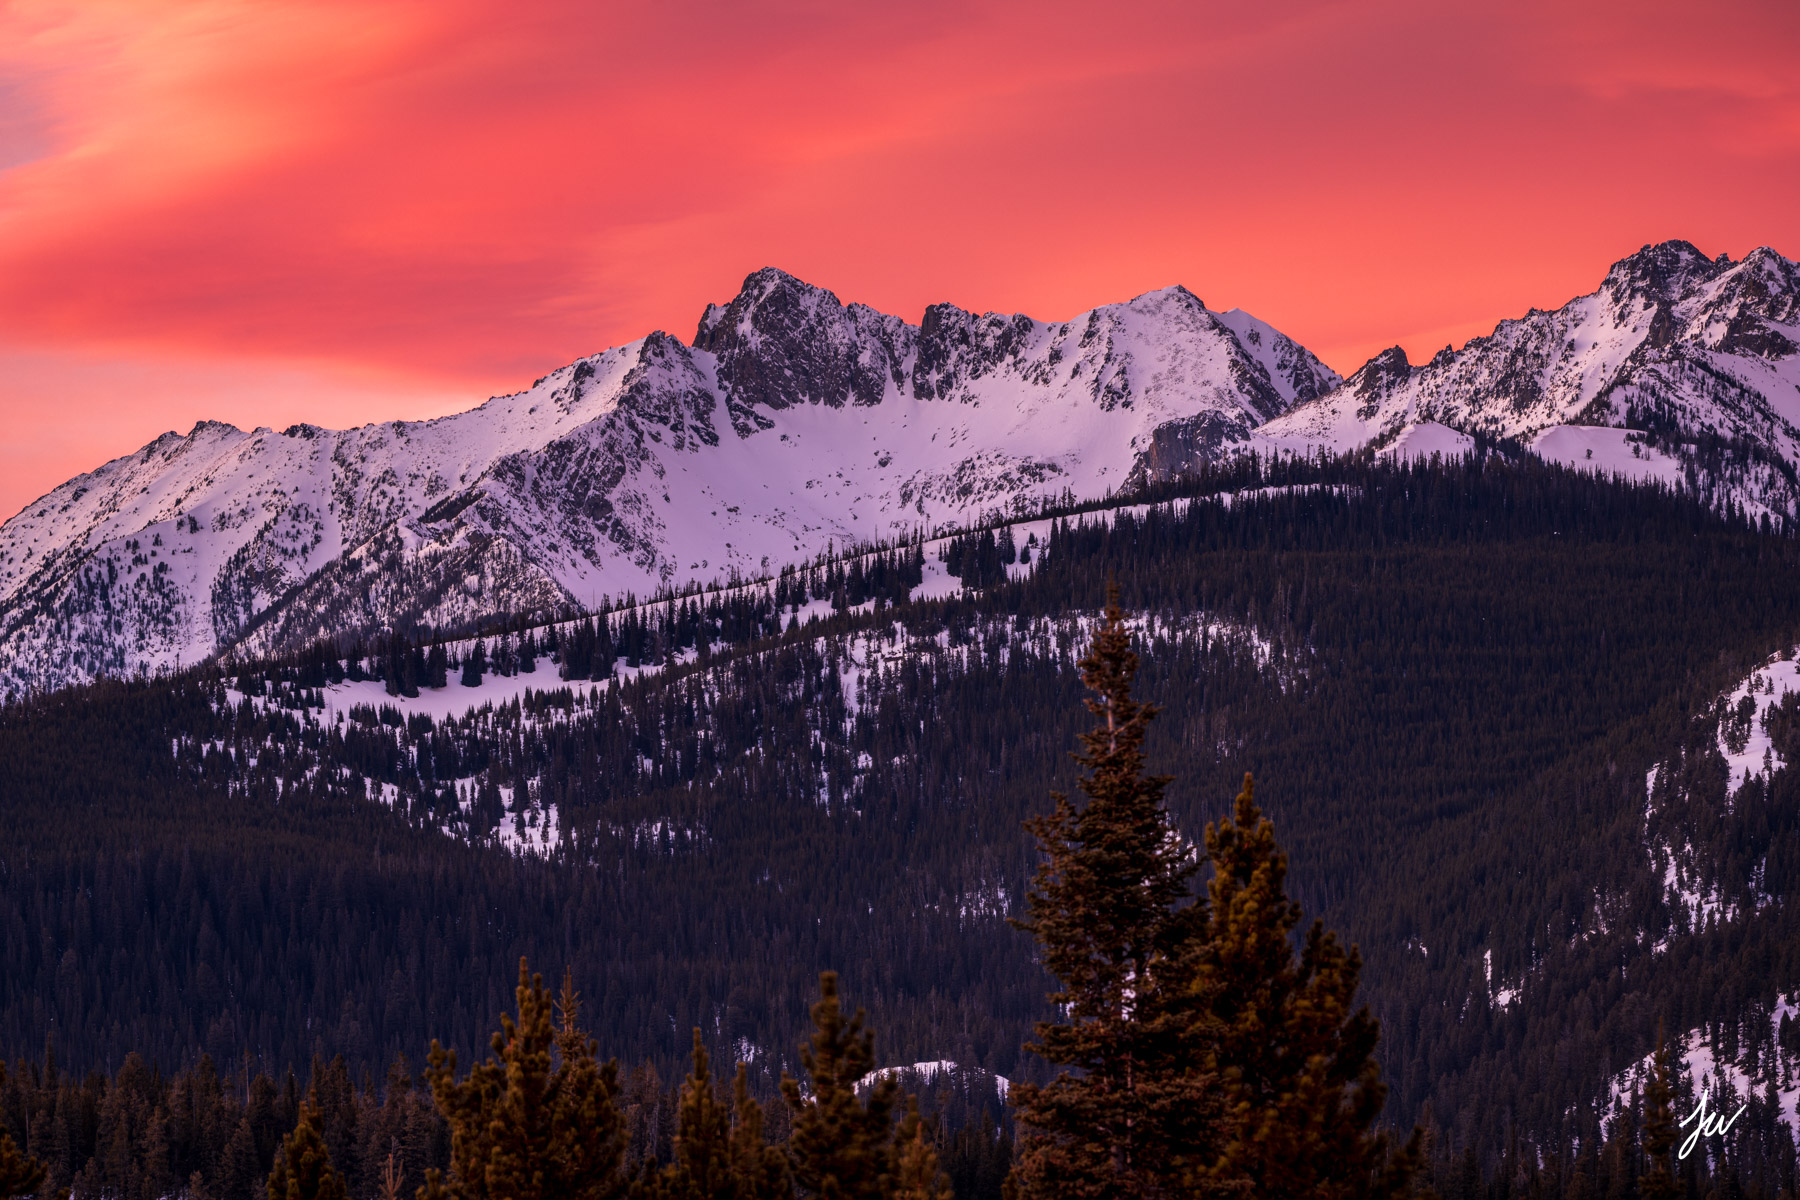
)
(264, 212)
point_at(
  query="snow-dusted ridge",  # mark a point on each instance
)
(793, 422)
(858, 658)
(457, 700)
(1699, 356)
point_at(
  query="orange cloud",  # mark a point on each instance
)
(385, 202)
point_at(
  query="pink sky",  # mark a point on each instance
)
(336, 211)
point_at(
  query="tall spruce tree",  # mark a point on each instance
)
(1293, 1060)
(538, 1120)
(1658, 1182)
(702, 1166)
(1108, 908)
(842, 1145)
(719, 1149)
(474, 664)
(303, 1169)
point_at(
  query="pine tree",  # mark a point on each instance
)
(761, 1171)
(917, 1176)
(303, 1169)
(238, 1165)
(1107, 908)
(1658, 1182)
(159, 1155)
(720, 1153)
(702, 1166)
(523, 1127)
(20, 1174)
(604, 657)
(474, 664)
(437, 667)
(841, 1146)
(1294, 1063)
(390, 665)
(578, 651)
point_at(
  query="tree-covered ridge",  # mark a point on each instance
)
(1450, 681)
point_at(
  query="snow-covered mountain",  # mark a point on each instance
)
(1680, 367)
(791, 423)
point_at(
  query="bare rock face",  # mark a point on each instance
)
(782, 342)
(793, 422)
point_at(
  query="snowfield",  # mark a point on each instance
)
(1427, 439)
(1608, 451)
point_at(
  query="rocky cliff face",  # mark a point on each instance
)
(1697, 355)
(792, 423)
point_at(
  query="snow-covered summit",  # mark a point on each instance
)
(1699, 354)
(793, 421)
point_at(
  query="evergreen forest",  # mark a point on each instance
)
(1483, 703)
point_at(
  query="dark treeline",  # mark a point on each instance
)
(209, 1134)
(591, 647)
(1453, 682)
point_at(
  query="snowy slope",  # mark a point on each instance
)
(792, 423)
(1427, 440)
(1700, 355)
(1761, 1069)
(1687, 795)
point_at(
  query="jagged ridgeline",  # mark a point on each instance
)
(794, 422)
(1451, 681)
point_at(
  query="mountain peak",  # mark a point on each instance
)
(1662, 271)
(764, 286)
(1390, 366)
(794, 423)
(1175, 291)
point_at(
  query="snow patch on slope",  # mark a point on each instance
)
(1702, 1062)
(922, 1074)
(1743, 743)
(1426, 440)
(1608, 451)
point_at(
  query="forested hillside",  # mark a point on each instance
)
(1452, 682)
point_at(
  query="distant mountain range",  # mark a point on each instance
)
(794, 423)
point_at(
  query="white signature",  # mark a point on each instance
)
(1706, 1124)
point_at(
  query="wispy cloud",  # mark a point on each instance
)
(462, 193)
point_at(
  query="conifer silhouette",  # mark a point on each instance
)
(761, 1171)
(702, 1166)
(536, 1121)
(719, 1149)
(1658, 1182)
(842, 1145)
(1293, 1061)
(1107, 908)
(303, 1169)
(917, 1176)
(20, 1174)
